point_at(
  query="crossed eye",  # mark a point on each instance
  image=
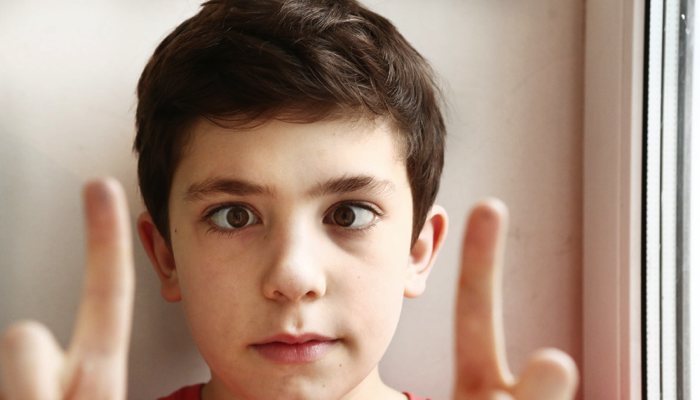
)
(351, 216)
(346, 215)
(233, 217)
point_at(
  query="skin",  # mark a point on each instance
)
(297, 283)
(294, 271)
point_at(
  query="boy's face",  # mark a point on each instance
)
(291, 253)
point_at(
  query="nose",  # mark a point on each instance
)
(296, 272)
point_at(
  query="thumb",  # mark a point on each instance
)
(550, 375)
(31, 363)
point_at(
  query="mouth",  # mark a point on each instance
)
(290, 349)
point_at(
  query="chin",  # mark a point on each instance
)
(289, 383)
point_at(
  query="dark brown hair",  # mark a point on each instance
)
(249, 61)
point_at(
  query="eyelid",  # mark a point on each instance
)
(362, 204)
(211, 210)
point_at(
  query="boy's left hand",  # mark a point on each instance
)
(482, 368)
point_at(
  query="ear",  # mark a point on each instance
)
(424, 251)
(161, 257)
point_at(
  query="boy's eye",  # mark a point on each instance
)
(233, 217)
(350, 216)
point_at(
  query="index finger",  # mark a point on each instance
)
(104, 319)
(481, 360)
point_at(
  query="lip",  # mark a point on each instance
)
(293, 349)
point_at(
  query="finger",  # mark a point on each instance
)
(481, 361)
(550, 375)
(31, 363)
(104, 319)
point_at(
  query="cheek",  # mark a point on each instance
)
(373, 321)
(208, 264)
(373, 295)
(213, 292)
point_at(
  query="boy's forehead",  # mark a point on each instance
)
(354, 127)
(325, 150)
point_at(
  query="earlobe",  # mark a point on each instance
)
(425, 250)
(161, 257)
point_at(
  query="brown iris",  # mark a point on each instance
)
(237, 217)
(344, 216)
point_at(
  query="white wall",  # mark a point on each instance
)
(513, 70)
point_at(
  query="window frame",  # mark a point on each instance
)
(612, 217)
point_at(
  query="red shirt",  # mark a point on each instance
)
(192, 393)
(186, 393)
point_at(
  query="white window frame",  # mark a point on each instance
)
(613, 116)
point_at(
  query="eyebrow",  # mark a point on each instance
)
(337, 186)
(235, 187)
(349, 184)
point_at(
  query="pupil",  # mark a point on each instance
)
(237, 217)
(344, 216)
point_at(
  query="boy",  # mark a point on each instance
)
(289, 158)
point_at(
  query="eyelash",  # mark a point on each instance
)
(213, 228)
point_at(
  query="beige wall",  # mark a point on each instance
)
(513, 73)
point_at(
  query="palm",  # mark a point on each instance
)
(94, 366)
(482, 370)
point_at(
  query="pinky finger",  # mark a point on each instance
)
(30, 361)
(550, 375)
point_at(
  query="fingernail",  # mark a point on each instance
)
(98, 191)
(486, 213)
(98, 201)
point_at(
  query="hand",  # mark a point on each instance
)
(94, 366)
(482, 368)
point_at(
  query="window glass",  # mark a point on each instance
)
(671, 186)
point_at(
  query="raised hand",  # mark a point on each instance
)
(482, 368)
(94, 366)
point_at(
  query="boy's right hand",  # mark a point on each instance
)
(32, 363)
